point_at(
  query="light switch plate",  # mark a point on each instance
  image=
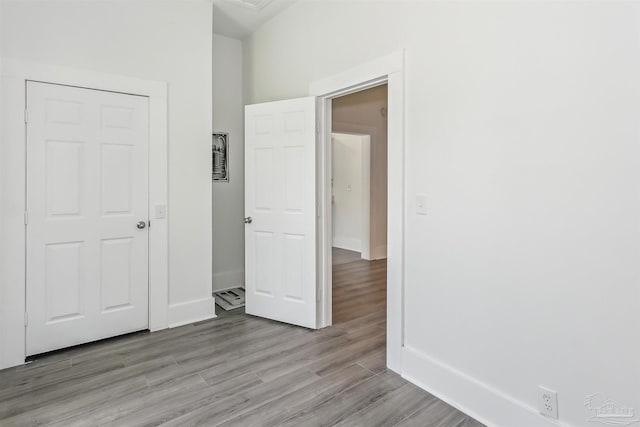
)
(161, 211)
(421, 204)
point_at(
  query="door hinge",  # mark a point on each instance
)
(26, 115)
(26, 218)
(26, 319)
(149, 223)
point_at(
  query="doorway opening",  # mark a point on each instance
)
(387, 70)
(359, 210)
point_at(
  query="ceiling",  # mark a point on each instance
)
(239, 18)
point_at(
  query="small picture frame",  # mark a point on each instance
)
(220, 157)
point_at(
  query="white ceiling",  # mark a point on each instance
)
(239, 18)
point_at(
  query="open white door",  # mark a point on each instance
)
(280, 206)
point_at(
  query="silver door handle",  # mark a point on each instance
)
(141, 224)
(248, 220)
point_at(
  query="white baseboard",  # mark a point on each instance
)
(379, 252)
(479, 400)
(191, 311)
(347, 243)
(228, 280)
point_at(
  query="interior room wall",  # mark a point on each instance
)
(522, 130)
(167, 41)
(365, 112)
(347, 177)
(228, 198)
(1, 198)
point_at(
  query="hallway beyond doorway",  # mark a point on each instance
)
(359, 287)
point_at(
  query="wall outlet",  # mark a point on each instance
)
(548, 402)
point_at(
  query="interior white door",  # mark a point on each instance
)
(280, 203)
(87, 215)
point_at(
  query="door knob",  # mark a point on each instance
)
(248, 220)
(141, 224)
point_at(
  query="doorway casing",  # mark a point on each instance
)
(385, 70)
(15, 74)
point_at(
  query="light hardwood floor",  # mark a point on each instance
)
(235, 370)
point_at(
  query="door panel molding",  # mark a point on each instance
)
(86, 189)
(280, 182)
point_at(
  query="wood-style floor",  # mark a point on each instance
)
(235, 370)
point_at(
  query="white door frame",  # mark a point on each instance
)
(390, 70)
(15, 74)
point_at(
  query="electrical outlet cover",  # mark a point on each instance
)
(548, 402)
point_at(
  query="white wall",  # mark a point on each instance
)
(167, 41)
(350, 180)
(1, 198)
(361, 112)
(522, 130)
(228, 198)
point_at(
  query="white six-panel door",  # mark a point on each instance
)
(280, 187)
(87, 180)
